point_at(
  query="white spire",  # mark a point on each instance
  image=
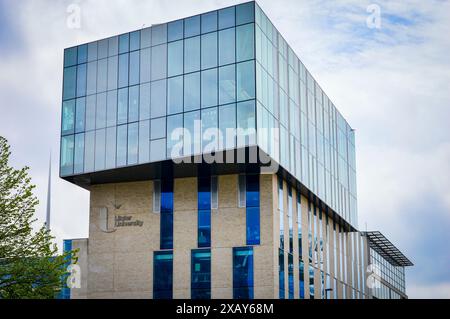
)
(49, 189)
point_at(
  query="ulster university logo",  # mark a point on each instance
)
(119, 221)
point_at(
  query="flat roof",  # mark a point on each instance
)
(383, 246)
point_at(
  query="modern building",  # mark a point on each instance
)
(217, 168)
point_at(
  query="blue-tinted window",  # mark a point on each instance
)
(112, 72)
(81, 80)
(100, 140)
(246, 115)
(113, 46)
(111, 108)
(311, 282)
(245, 13)
(133, 104)
(78, 162)
(299, 224)
(175, 30)
(92, 51)
(144, 101)
(192, 91)
(134, 68)
(68, 117)
(110, 161)
(175, 58)
(144, 141)
(227, 84)
(159, 34)
(191, 26)
(301, 279)
(135, 40)
(102, 49)
(281, 281)
(245, 80)
(67, 146)
(290, 276)
(191, 54)
(209, 88)
(158, 98)
(201, 274)
(175, 95)
(204, 211)
(209, 50)
(227, 18)
(227, 120)
(70, 56)
(102, 75)
(91, 78)
(123, 70)
(158, 150)
(252, 210)
(100, 113)
(145, 65)
(121, 155)
(209, 22)
(227, 45)
(122, 106)
(89, 151)
(243, 273)
(124, 43)
(69, 83)
(245, 42)
(90, 112)
(190, 144)
(166, 226)
(158, 128)
(132, 143)
(80, 114)
(209, 128)
(174, 122)
(159, 62)
(82, 53)
(146, 38)
(162, 274)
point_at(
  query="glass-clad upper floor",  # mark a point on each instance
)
(124, 96)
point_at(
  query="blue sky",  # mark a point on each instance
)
(391, 84)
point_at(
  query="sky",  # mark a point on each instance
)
(384, 64)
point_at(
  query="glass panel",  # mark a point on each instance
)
(110, 147)
(113, 46)
(245, 42)
(191, 54)
(191, 26)
(69, 83)
(82, 54)
(166, 221)
(158, 150)
(209, 22)
(158, 128)
(209, 129)
(246, 122)
(79, 154)
(103, 49)
(144, 101)
(145, 65)
(226, 18)
(245, 80)
(227, 84)
(162, 274)
(102, 72)
(159, 62)
(144, 141)
(81, 80)
(227, 45)
(159, 34)
(100, 148)
(68, 117)
(91, 78)
(67, 145)
(92, 51)
(111, 108)
(191, 144)
(192, 91)
(100, 117)
(70, 56)
(89, 152)
(227, 120)
(201, 274)
(122, 106)
(174, 122)
(243, 273)
(175, 95)
(133, 104)
(90, 112)
(204, 211)
(134, 68)
(132, 143)
(123, 70)
(175, 30)
(158, 98)
(245, 13)
(252, 210)
(135, 39)
(80, 114)
(124, 43)
(121, 145)
(112, 72)
(209, 50)
(175, 57)
(209, 88)
(146, 37)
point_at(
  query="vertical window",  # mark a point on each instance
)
(144, 101)
(100, 113)
(81, 79)
(121, 155)
(135, 39)
(144, 141)
(89, 152)
(162, 274)
(111, 108)
(159, 62)
(227, 45)
(146, 38)
(92, 51)
(175, 95)
(201, 274)
(209, 22)
(102, 73)
(124, 43)
(227, 126)
(82, 53)
(79, 154)
(67, 146)
(158, 98)
(204, 211)
(241, 191)
(122, 106)
(281, 211)
(159, 34)
(103, 49)
(252, 209)
(245, 42)
(133, 104)
(123, 70)
(158, 128)
(214, 192)
(209, 128)
(175, 58)
(281, 282)
(134, 68)
(70, 56)
(91, 78)
(290, 276)
(191, 26)
(166, 218)
(132, 144)
(174, 122)
(299, 224)
(246, 122)
(311, 282)
(157, 196)
(69, 82)
(245, 13)
(100, 145)
(112, 72)
(191, 54)
(192, 91)
(209, 50)
(290, 221)
(227, 84)
(68, 117)
(113, 46)
(110, 147)
(145, 65)
(175, 30)
(190, 144)
(90, 112)
(245, 80)
(301, 265)
(227, 18)
(243, 273)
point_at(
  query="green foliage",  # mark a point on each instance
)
(30, 266)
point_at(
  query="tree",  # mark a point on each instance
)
(30, 266)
